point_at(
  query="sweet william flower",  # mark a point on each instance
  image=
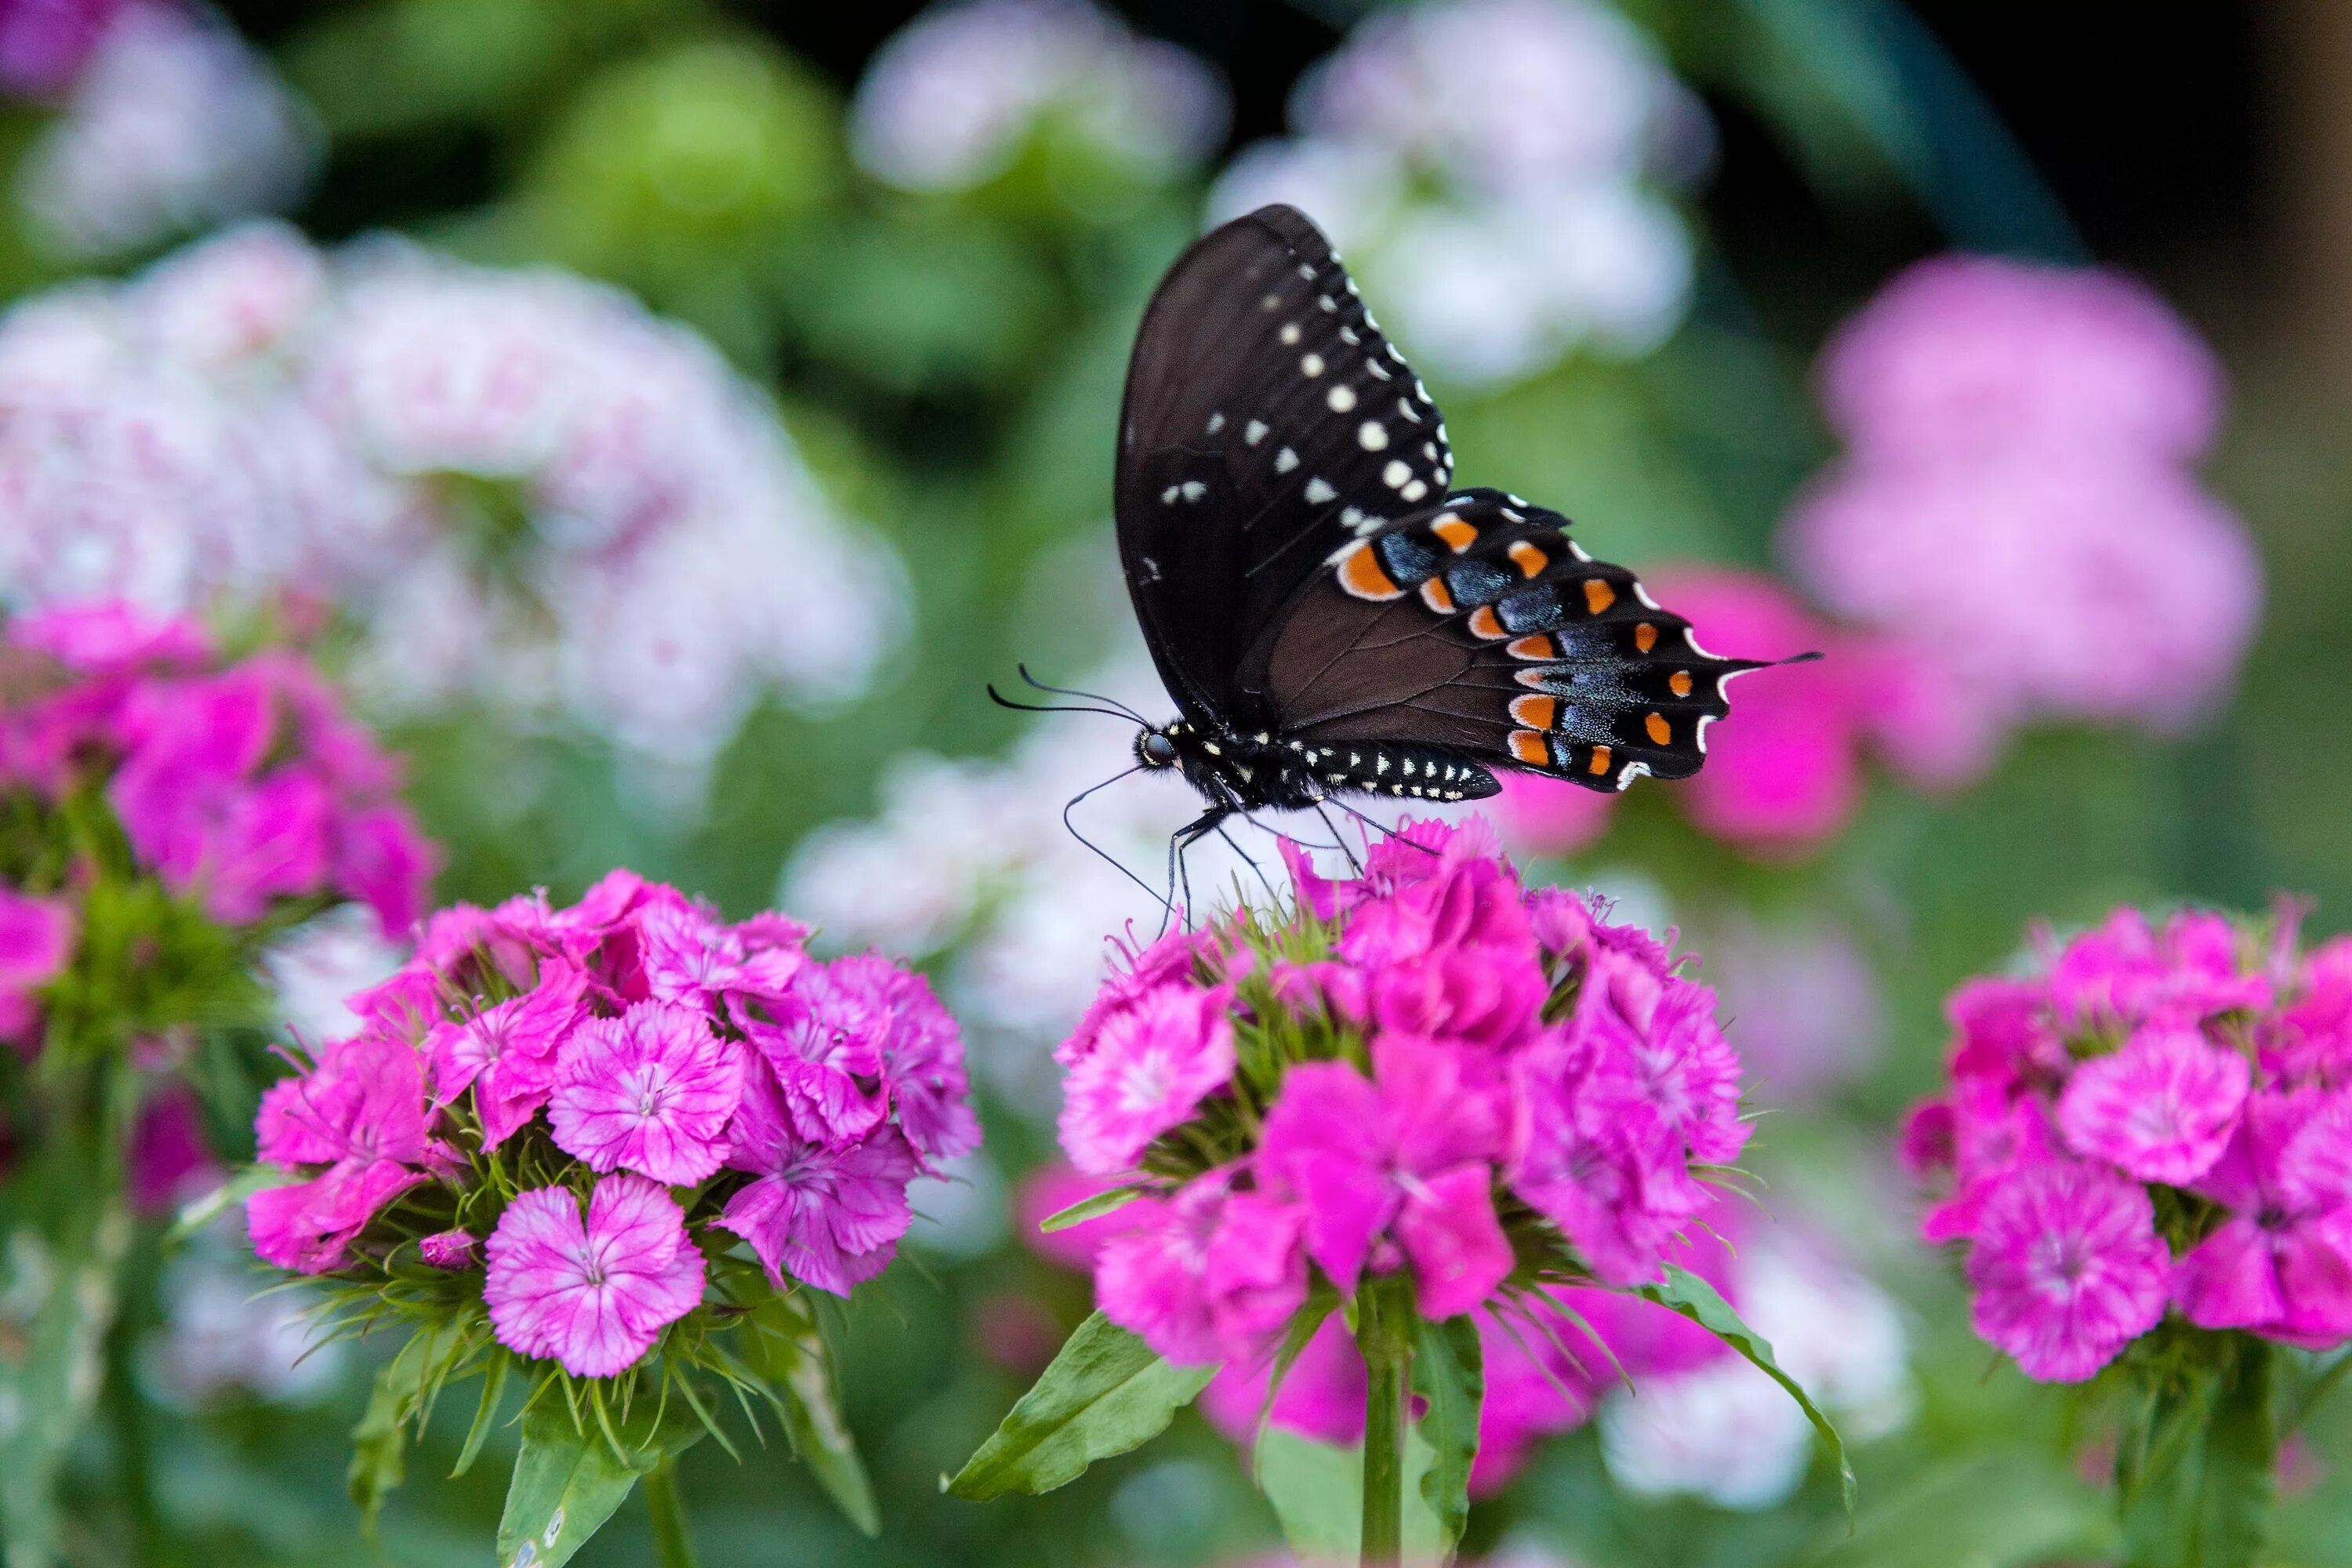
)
(1150, 1066)
(506, 1052)
(592, 1295)
(2161, 1109)
(651, 1092)
(2281, 1262)
(830, 1216)
(362, 1113)
(2067, 1269)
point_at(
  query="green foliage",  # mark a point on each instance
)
(1684, 1292)
(2196, 1464)
(1107, 1392)
(577, 1465)
(1449, 1377)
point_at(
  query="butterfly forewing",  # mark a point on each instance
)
(1478, 626)
(1267, 421)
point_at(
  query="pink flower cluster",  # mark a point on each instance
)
(636, 1054)
(1421, 1053)
(237, 784)
(1548, 1359)
(2017, 503)
(2159, 1118)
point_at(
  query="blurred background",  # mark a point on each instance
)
(666, 414)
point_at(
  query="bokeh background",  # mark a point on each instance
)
(668, 414)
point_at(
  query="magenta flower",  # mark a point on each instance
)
(830, 1216)
(450, 1249)
(826, 1048)
(1143, 973)
(651, 1092)
(1151, 1066)
(1322, 1398)
(2126, 970)
(2281, 1264)
(2161, 1109)
(362, 1113)
(37, 938)
(507, 1053)
(1410, 1159)
(2067, 1269)
(1153, 1280)
(593, 1296)
(922, 1060)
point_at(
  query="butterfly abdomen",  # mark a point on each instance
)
(1268, 770)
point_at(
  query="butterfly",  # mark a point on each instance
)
(1331, 613)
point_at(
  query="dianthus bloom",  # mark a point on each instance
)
(240, 788)
(1480, 1112)
(2048, 418)
(635, 1054)
(2156, 1118)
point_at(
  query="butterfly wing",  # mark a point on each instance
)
(1477, 627)
(1267, 421)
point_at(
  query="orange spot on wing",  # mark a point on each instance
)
(1529, 748)
(1645, 637)
(1660, 730)
(1458, 534)
(1599, 764)
(1487, 624)
(1437, 596)
(1362, 575)
(1538, 648)
(1679, 683)
(1535, 713)
(1528, 558)
(1597, 595)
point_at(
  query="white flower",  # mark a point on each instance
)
(1728, 1433)
(313, 969)
(947, 102)
(173, 125)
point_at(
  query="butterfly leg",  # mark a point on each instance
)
(1340, 838)
(1183, 840)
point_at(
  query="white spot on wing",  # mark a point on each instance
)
(1254, 432)
(1342, 399)
(1414, 490)
(1318, 491)
(1310, 366)
(1395, 475)
(1194, 490)
(1216, 423)
(1285, 460)
(1289, 331)
(1372, 436)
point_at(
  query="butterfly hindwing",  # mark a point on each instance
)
(1476, 625)
(1267, 421)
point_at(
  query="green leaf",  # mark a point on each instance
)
(200, 1212)
(59, 1287)
(1321, 1301)
(569, 1478)
(1317, 1491)
(379, 1441)
(1684, 1292)
(1094, 1207)
(494, 1387)
(1996, 1511)
(800, 1363)
(1449, 1373)
(1106, 1393)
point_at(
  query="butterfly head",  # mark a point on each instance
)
(1156, 748)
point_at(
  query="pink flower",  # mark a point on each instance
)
(1153, 1280)
(1151, 1066)
(362, 1113)
(828, 1215)
(1171, 959)
(651, 1092)
(382, 859)
(1409, 1159)
(450, 1249)
(36, 939)
(1046, 1191)
(2125, 972)
(2162, 1108)
(2067, 1269)
(826, 1048)
(1322, 1397)
(2281, 1264)
(507, 1053)
(1659, 1051)
(1979, 354)
(922, 1061)
(593, 1297)
(1784, 771)
(170, 1156)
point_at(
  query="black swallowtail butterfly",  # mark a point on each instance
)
(1329, 613)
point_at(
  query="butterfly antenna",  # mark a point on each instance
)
(1340, 838)
(1108, 858)
(1004, 701)
(1382, 827)
(1090, 695)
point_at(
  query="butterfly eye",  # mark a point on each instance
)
(1155, 749)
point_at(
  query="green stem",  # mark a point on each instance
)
(672, 1546)
(1385, 1335)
